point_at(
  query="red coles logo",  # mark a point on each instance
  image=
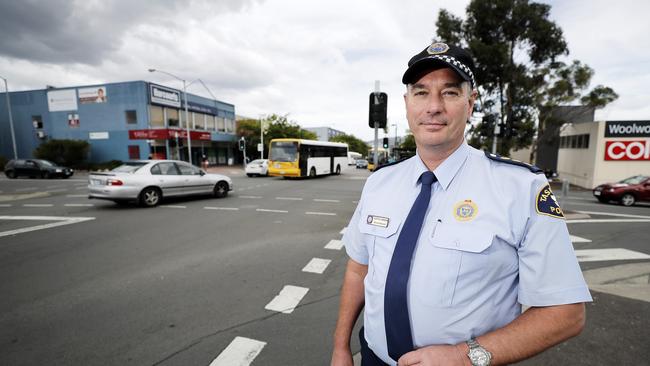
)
(627, 150)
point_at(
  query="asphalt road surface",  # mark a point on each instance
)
(253, 278)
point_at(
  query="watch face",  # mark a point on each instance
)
(479, 357)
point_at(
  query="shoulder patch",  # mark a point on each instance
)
(503, 159)
(389, 164)
(546, 203)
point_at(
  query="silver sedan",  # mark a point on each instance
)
(148, 181)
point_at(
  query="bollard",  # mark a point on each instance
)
(565, 188)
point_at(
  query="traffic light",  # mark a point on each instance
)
(377, 107)
(242, 144)
(385, 142)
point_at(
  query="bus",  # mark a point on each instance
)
(353, 156)
(301, 158)
(382, 157)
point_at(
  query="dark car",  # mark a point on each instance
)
(627, 192)
(36, 168)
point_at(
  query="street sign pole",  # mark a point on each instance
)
(375, 158)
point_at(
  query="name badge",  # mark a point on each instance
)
(377, 221)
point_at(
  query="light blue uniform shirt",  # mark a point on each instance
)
(484, 249)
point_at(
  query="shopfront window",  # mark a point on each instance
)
(156, 116)
(172, 117)
(221, 127)
(199, 121)
(209, 122)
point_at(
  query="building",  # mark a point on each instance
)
(121, 121)
(607, 151)
(324, 133)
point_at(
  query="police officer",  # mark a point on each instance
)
(446, 247)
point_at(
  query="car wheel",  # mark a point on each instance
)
(221, 189)
(628, 199)
(150, 197)
(338, 170)
(10, 174)
(46, 175)
(249, 174)
(312, 172)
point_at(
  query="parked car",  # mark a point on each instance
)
(362, 163)
(627, 192)
(36, 168)
(149, 181)
(257, 167)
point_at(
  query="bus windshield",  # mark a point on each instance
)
(284, 151)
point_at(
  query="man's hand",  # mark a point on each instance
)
(438, 355)
(341, 357)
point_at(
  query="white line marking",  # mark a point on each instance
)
(26, 189)
(249, 196)
(38, 205)
(593, 221)
(52, 187)
(265, 210)
(84, 187)
(322, 200)
(172, 206)
(60, 222)
(79, 205)
(355, 201)
(289, 198)
(614, 214)
(240, 352)
(334, 244)
(76, 195)
(317, 265)
(612, 254)
(320, 213)
(287, 300)
(577, 239)
(5, 204)
(342, 232)
(57, 190)
(222, 208)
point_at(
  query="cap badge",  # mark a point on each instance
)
(437, 48)
(465, 210)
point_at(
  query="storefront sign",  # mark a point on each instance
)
(627, 150)
(92, 95)
(165, 96)
(627, 129)
(167, 134)
(62, 100)
(98, 135)
(201, 108)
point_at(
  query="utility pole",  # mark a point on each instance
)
(11, 119)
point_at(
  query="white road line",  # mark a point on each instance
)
(577, 239)
(265, 210)
(60, 222)
(289, 198)
(611, 254)
(343, 230)
(595, 221)
(52, 187)
(355, 201)
(76, 195)
(38, 205)
(317, 265)
(5, 204)
(287, 300)
(84, 187)
(222, 208)
(323, 200)
(320, 213)
(57, 190)
(79, 205)
(614, 214)
(26, 189)
(172, 206)
(249, 196)
(334, 244)
(240, 352)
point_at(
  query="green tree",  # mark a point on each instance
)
(516, 46)
(277, 126)
(408, 143)
(72, 153)
(354, 144)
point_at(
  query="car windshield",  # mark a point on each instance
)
(634, 180)
(44, 162)
(129, 167)
(284, 151)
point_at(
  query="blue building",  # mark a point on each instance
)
(121, 121)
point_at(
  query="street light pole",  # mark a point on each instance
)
(187, 118)
(11, 119)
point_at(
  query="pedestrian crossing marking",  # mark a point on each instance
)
(334, 244)
(240, 352)
(287, 300)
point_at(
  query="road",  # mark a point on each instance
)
(254, 276)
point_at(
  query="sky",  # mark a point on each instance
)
(315, 61)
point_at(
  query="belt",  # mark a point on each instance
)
(368, 357)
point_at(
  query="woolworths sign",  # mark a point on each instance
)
(627, 129)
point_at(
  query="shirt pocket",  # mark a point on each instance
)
(453, 265)
(380, 242)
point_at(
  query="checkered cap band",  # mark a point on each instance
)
(453, 61)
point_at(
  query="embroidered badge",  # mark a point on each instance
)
(465, 210)
(437, 48)
(546, 203)
(377, 221)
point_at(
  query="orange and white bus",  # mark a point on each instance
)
(301, 158)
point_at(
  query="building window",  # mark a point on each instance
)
(229, 125)
(209, 122)
(172, 117)
(199, 121)
(221, 127)
(134, 152)
(37, 122)
(574, 142)
(131, 116)
(156, 118)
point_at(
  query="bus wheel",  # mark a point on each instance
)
(338, 170)
(312, 172)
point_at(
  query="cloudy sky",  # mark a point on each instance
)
(315, 60)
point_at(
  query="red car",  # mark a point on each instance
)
(627, 192)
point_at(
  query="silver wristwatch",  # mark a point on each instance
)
(478, 355)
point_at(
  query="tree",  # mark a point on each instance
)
(408, 143)
(276, 127)
(515, 46)
(65, 152)
(354, 144)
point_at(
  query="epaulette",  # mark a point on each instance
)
(389, 164)
(503, 159)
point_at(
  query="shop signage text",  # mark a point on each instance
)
(165, 96)
(167, 134)
(627, 129)
(627, 150)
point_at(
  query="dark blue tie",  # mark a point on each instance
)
(396, 313)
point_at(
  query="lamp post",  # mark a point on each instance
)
(11, 119)
(187, 119)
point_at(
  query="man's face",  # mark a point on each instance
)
(437, 109)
